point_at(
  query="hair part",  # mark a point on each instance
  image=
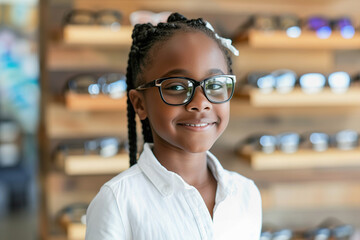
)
(146, 38)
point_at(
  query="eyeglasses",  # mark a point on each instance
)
(324, 26)
(109, 17)
(104, 147)
(111, 84)
(177, 91)
(339, 82)
(288, 23)
(143, 16)
(283, 80)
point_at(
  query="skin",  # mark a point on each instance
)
(180, 148)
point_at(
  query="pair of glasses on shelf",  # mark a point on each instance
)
(290, 142)
(324, 26)
(267, 143)
(284, 81)
(143, 16)
(110, 84)
(107, 17)
(104, 147)
(72, 213)
(291, 24)
(331, 228)
(283, 234)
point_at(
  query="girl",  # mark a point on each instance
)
(180, 82)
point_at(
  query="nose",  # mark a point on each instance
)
(199, 101)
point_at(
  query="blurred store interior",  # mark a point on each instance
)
(294, 126)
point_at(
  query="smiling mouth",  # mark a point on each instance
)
(196, 125)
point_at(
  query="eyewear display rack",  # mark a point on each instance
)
(283, 187)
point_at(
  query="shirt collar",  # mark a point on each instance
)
(166, 181)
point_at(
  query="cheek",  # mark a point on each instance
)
(224, 114)
(159, 113)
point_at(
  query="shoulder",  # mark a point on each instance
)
(124, 180)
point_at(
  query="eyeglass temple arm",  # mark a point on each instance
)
(146, 85)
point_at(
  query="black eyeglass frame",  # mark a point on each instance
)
(157, 83)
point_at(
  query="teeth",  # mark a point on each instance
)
(196, 125)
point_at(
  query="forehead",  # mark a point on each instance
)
(194, 52)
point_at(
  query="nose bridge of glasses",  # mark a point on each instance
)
(198, 100)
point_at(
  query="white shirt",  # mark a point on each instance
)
(149, 202)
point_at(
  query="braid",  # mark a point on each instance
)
(131, 115)
(144, 37)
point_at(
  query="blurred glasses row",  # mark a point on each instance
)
(110, 84)
(103, 147)
(284, 81)
(293, 25)
(290, 142)
(329, 229)
(112, 18)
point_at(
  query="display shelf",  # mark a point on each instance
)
(86, 102)
(97, 35)
(94, 164)
(303, 158)
(298, 98)
(62, 123)
(75, 231)
(267, 177)
(307, 40)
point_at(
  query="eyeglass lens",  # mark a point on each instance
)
(179, 91)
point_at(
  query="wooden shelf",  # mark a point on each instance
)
(94, 164)
(307, 40)
(97, 35)
(62, 123)
(76, 231)
(297, 98)
(304, 158)
(86, 102)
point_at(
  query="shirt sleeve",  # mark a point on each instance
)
(103, 219)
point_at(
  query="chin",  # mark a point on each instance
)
(197, 148)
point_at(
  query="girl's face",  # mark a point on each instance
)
(193, 127)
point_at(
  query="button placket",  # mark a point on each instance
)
(200, 212)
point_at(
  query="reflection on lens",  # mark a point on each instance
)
(343, 231)
(94, 89)
(285, 234)
(312, 82)
(267, 143)
(324, 32)
(266, 83)
(289, 142)
(319, 141)
(346, 139)
(339, 82)
(284, 80)
(293, 32)
(347, 32)
(346, 27)
(109, 147)
(322, 234)
(265, 236)
(321, 26)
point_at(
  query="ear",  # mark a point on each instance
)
(138, 101)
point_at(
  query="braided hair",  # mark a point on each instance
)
(144, 37)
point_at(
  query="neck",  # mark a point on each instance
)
(192, 167)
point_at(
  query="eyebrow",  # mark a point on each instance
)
(179, 71)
